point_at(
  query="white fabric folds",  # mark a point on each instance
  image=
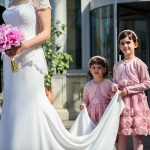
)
(43, 129)
(101, 137)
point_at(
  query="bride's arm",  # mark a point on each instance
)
(44, 18)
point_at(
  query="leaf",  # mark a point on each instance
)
(58, 60)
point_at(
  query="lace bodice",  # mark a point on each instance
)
(24, 17)
(37, 4)
(40, 4)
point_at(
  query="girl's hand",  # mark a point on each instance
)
(124, 92)
(115, 88)
(81, 107)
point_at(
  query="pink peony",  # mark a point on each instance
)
(10, 36)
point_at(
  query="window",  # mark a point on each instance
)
(102, 34)
(4, 3)
(74, 41)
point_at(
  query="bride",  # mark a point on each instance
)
(28, 120)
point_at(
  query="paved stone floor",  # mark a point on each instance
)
(146, 141)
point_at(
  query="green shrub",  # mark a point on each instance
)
(57, 60)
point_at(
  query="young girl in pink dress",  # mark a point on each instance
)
(132, 79)
(97, 92)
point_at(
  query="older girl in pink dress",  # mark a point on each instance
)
(97, 92)
(132, 79)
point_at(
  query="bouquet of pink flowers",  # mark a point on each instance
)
(10, 36)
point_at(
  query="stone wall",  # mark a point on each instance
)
(67, 92)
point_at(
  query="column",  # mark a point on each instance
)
(59, 81)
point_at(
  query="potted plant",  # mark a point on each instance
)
(57, 60)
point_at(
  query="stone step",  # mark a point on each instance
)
(146, 143)
(68, 123)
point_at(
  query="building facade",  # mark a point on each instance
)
(92, 29)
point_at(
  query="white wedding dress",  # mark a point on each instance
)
(28, 120)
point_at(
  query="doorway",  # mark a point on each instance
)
(136, 16)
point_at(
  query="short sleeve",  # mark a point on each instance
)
(41, 4)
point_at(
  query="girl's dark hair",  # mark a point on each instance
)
(99, 61)
(130, 34)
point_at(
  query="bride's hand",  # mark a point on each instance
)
(15, 50)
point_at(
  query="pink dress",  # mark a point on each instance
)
(135, 118)
(96, 98)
